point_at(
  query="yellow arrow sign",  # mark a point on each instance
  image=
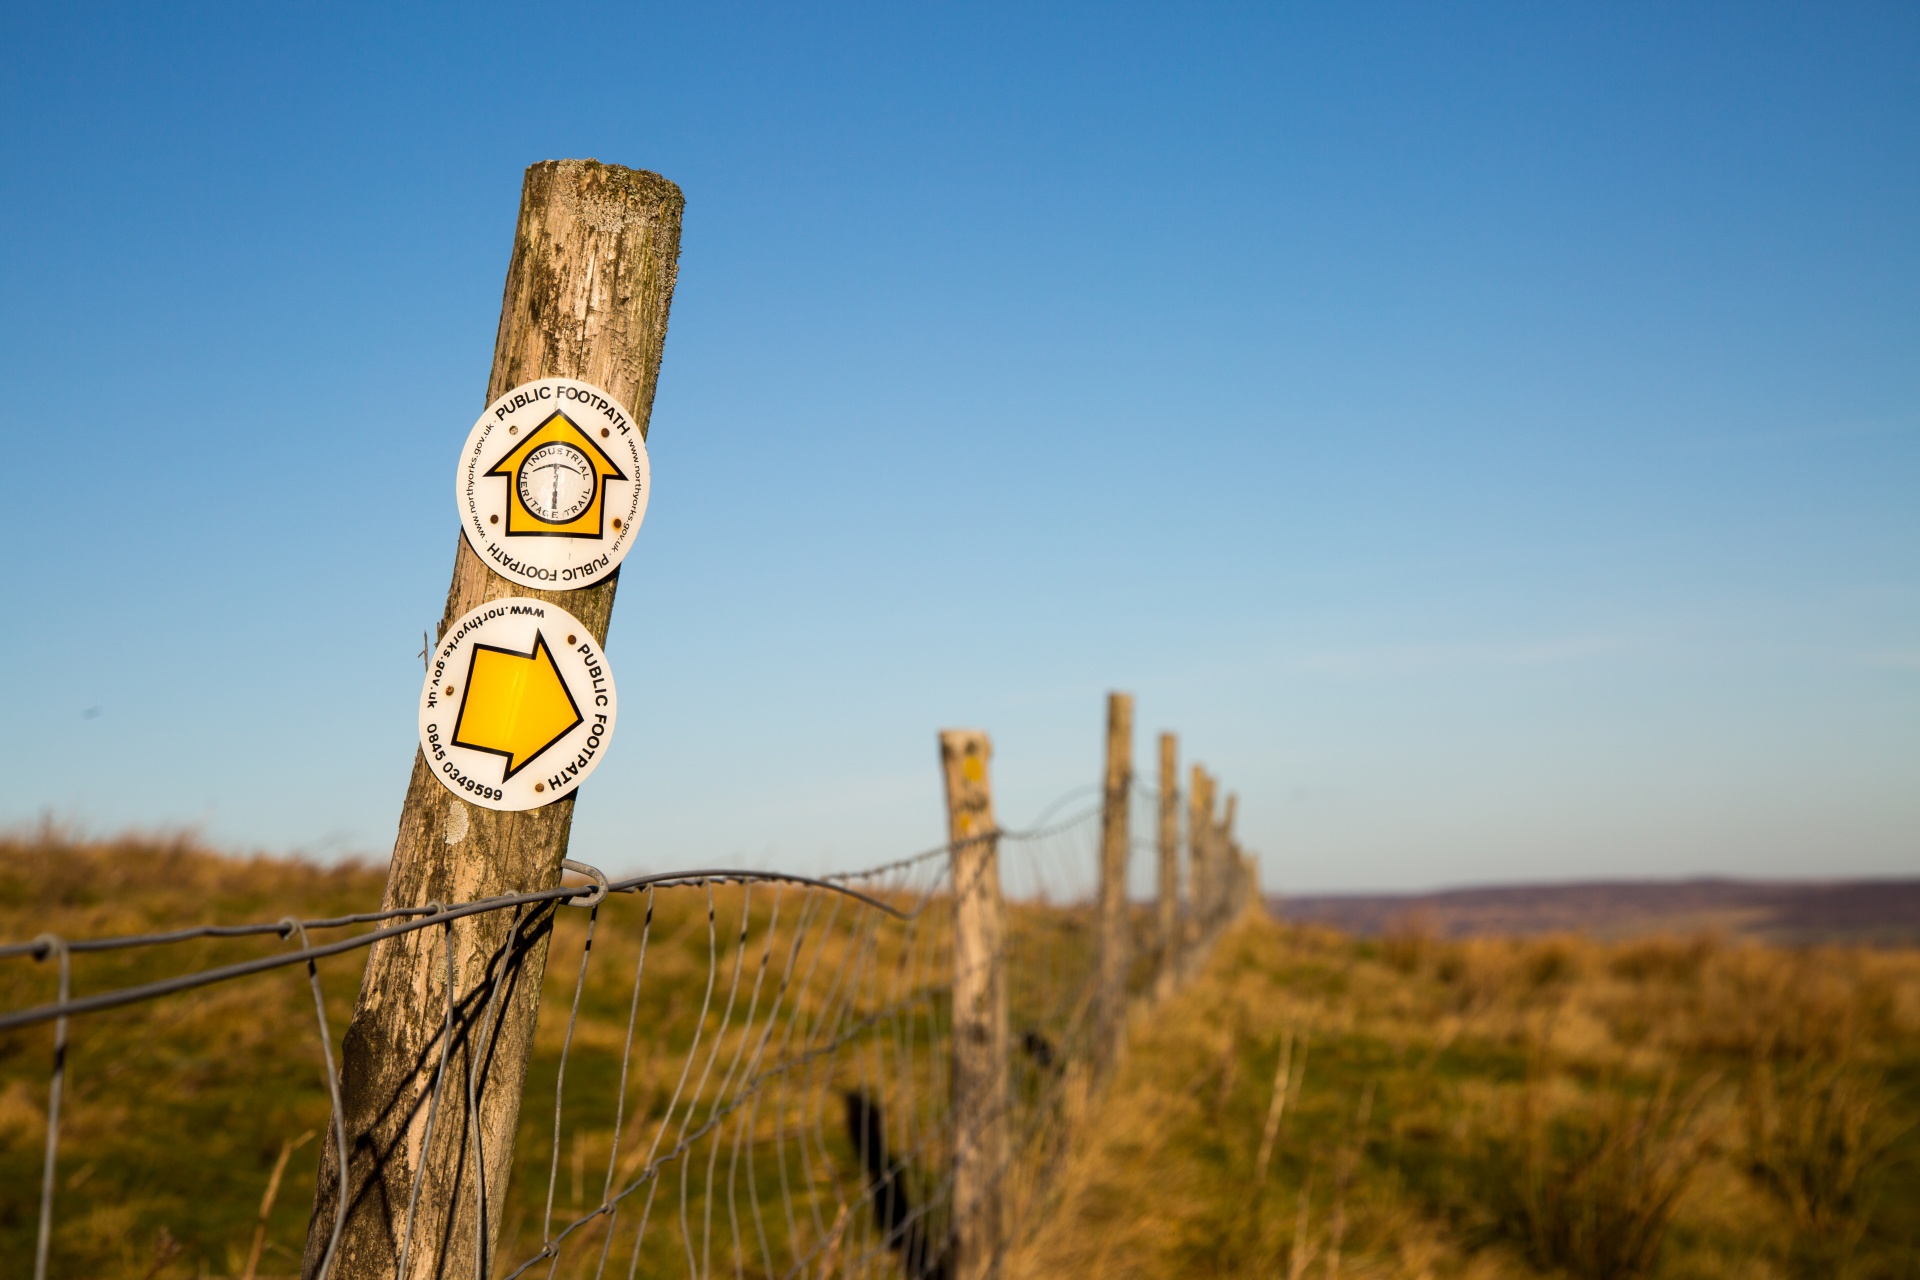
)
(516, 704)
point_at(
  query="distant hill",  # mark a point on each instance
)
(1871, 911)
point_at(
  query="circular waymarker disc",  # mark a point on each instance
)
(553, 484)
(518, 707)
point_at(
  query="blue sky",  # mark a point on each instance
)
(1489, 434)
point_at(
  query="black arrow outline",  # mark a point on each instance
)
(512, 476)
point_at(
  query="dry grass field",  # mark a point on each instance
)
(1311, 1105)
(1320, 1106)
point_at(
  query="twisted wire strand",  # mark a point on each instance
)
(433, 1106)
(52, 944)
(333, 1092)
(424, 917)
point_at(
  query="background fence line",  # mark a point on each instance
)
(761, 1066)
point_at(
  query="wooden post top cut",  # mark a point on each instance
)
(964, 758)
(1119, 739)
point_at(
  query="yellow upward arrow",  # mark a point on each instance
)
(517, 705)
(558, 428)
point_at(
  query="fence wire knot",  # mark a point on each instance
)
(599, 878)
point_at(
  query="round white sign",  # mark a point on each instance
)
(518, 707)
(553, 484)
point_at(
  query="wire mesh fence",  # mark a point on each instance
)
(735, 1073)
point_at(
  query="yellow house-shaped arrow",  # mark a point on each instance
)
(571, 455)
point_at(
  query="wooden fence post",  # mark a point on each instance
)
(1200, 860)
(1230, 868)
(1169, 851)
(980, 1096)
(1110, 1024)
(588, 287)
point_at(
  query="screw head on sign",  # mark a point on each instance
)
(573, 639)
(539, 786)
(616, 523)
(449, 691)
(493, 519)
(513, 431)
(604, 433)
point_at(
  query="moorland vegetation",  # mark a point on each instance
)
(1308, 1105)
(1317, 1105)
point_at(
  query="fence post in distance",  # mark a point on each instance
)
(1231, 870)
(980, 1095)
(589, 283)
(1110, 995)
(1169, 850)
(1200, 860)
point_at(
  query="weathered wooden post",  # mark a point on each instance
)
(1200, 860)
(1229, 856)
(1110, 1023)
(980, 1095)
(588, 287)
(1169, 851)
